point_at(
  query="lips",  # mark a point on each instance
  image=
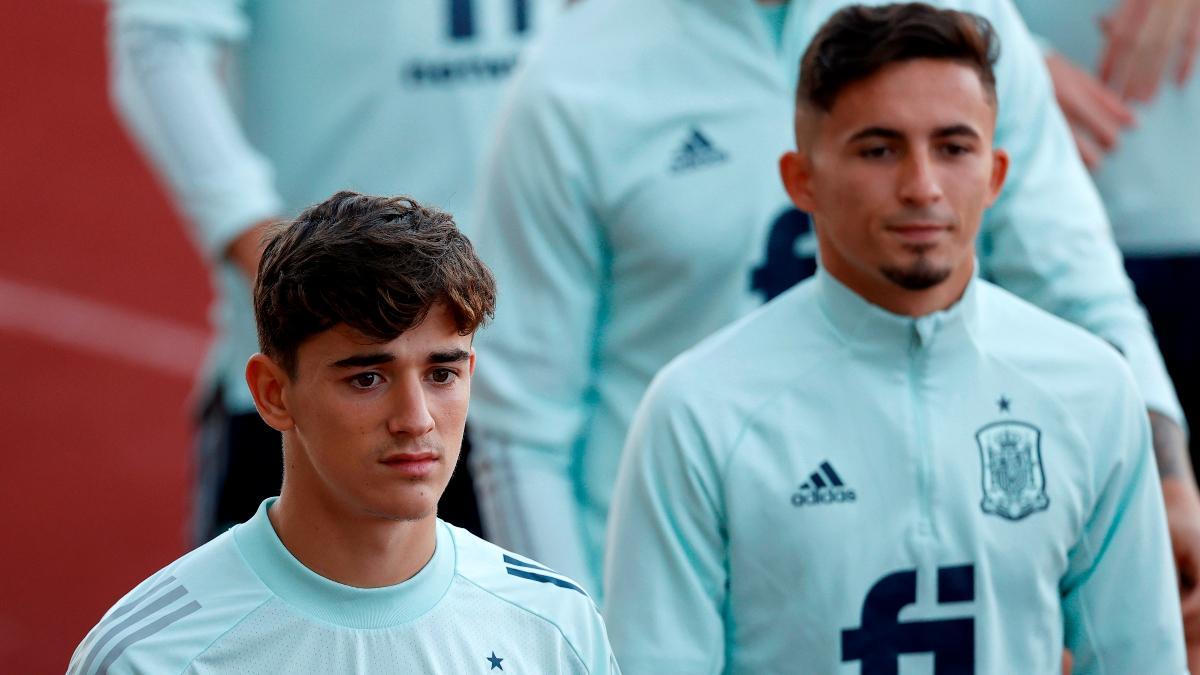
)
(918, 232)
(411, 464)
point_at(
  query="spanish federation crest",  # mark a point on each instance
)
(1014, 484)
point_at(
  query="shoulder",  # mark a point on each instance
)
(1023, 329)
(598, 28)
(755, 354)
(1088, 375)
(529, 588)
(592, 51)
(1002, 14)
(1018, 50)
(703, 399)
(173, 616)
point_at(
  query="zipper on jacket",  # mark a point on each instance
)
(917, 364)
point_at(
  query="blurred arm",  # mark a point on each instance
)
(665, 567)
(533, 390)
(167, 89)
(1047, 239)
(1120, 606)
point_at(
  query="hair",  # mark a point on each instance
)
(375, 264)
(858, 41)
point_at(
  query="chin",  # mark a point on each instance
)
(917, 275)
(406, 508)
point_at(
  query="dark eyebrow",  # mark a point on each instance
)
(876, 132)
(892, 134)
(956, 130)
(376, 358)
(360, 360)
(451, 356)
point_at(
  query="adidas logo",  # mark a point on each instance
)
(824, 486)
(697, 151)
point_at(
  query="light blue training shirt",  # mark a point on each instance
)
(243, 604)
(826, 487)
(632, 205)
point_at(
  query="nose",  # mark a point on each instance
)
(410, 410)
(919, 185)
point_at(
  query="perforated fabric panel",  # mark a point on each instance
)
(460, 635)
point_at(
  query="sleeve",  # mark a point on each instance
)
(594, 648)
(1047, 238)
(519, 486)
(167, 89)
(1120, 604)
(665, 568)
(535, 231)
(533, 389)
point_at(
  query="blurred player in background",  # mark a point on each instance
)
(251, 109)
(1124, 75)
(632, 206)
(366, 370)
(976, 477)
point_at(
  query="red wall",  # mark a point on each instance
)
(94, 449)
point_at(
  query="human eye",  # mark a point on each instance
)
(875, 152)
(443, 376)
(365, 380)
(955, 149)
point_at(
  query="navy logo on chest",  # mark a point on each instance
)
(1014, 482)
(696, 151)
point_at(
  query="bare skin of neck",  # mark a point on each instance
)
(352, 548)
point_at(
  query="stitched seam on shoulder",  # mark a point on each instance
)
(530, 611)
(225, 632)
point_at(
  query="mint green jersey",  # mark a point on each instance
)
(242, 604)
(1149, 181)
(825, 487)
(255, 109)
(632, 206)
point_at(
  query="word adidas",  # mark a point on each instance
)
(824, 486)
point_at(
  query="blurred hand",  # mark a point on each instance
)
(1095, 114)
(1145, 39)
(245, 251)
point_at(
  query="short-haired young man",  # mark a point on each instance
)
(896, 466)
(366, 308)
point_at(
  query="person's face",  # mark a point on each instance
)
(375, 428)
(897, 175)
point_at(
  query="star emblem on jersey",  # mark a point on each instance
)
(495, 661)
(824, 486)
(1014, 483)
(697, 151)
(1004, 403)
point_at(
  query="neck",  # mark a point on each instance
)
(882, 292)
(351, 547)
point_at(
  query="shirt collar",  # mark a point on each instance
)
(867, 327)
(338, 603)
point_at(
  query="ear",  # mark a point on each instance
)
(268, 381)
(1000, 163)
(796, 171)
(471, 365)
